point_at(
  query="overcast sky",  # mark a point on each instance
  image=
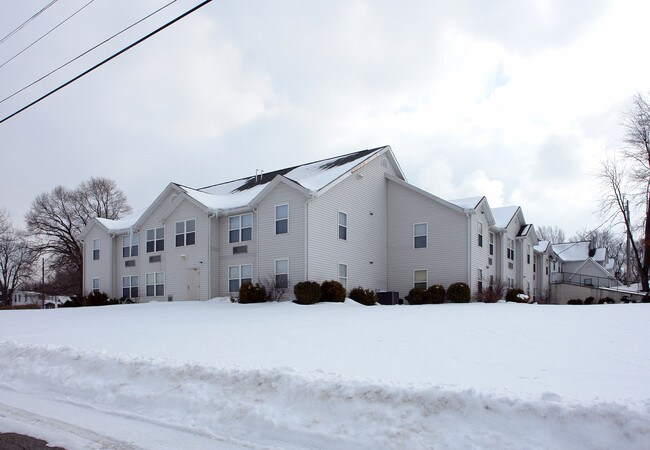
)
(515, 100)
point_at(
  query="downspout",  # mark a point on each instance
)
(311, 197)
(112, 266)
(257, 243)
(209, 264)
(83, 268)
(469, 248)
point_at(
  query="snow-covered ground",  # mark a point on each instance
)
(279, 375)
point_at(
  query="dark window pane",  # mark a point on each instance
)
(491, 249)
(420, 241)
(281, 280)
(246, 234)
(480, 240)
(343, 233)
(134, 250)
(134, 292)
(247, 280)
(281, 226)
(190, 238)
(190, 225)
(150, 246)
(234, 237)
(149, 290)
(180, 240)
(233, 286)
(420, 285)
(125, 292)
(125, 252)
(180, 227)
(160, 290)
(95, 254)
(160, 245)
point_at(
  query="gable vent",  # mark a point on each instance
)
(155, 258)
(129, 263)
(240, 249)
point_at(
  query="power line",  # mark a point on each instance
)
(86, 52)
(22, 25)
(107, 59)
(57, 26)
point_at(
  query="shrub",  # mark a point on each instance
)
(459, 293)
(252, 293)
(646, 299)
(95, 299)
(608, 300)
(574, 301)
(589, 301)
(306, 292)
(364, 296)
(416, 296)
(435, 294)
(332, 291)
(512, 295)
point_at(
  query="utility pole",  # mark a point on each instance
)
(43, 285)
(627, 226)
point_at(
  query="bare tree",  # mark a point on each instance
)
(17, 259)
(629, 179)
(58, 217)
(553, 234)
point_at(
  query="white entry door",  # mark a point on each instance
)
(193, 280)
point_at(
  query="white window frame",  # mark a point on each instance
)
(184, 233)
(132, 242)
(96, 248)
(425, 235)
(491, 244)
(96, 285)
(156, 240)
(341, 226)
(282, 219)
(479, 277)
(343, 279)
(528, 253)
(426, 278)
(240, 278)
(510, 250)
(155, 280)
(278, 273)
(239, 228)
(480, 233)
(130, 283)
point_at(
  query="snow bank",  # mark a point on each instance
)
(280, 407)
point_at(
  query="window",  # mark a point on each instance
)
(238, 275)
(491, 243)
(282, 273)
(420, 235)
(155, 240)
(528, 287)
(534, 267)
(282, 219)
(511, 282)
(420, 279)
(96, 285)
(343, 226)
(491, 281)
(185, 232)
(155, 284)
(479, 276)
(95, 249)
(130, 287)
(343, 275)
(510, 251)
(480, 234)
(528, 254)
(546, 269)
(240, 229)
(130, 245)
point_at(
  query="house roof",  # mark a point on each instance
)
(542, 246)
(503, 215)
(312, 177)
(600, 255)
(572, 251)
(467, 203)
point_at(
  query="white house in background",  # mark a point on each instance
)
(353, 218)
(577, 263)
(22, 298)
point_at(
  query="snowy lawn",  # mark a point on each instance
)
(282, 375)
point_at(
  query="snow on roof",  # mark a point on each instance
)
(503, 215)
(467, 203)
(313, 176)
(121, 224)
(542, 246)
(611, 262)
(600, 255)
(572, 251)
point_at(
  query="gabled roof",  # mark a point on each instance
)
(590, 262)
(572, 251)
(600, 255)
(311, 178)
(426, 194)
(467, 203)
(504, 215)
(542, 246)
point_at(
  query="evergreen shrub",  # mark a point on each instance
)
(306, 292)
(459, 293)
(252, 293)
(95, 299)
(416, 296)
(435, 294)
(512, 295)
(364, 296)
(332, 291)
